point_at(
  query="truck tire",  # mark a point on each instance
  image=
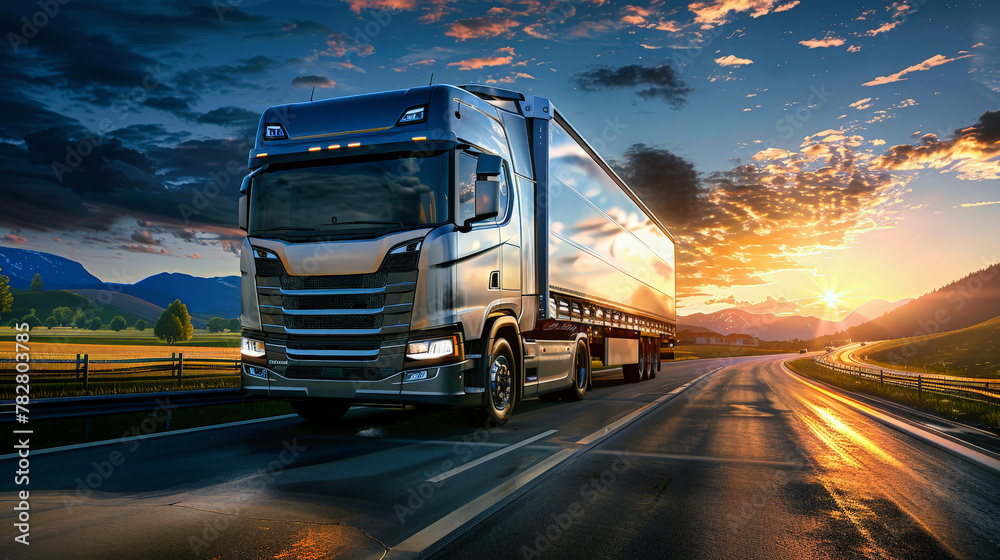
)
(581, 373)
(654, 357)
(498, 399)
(631, 373)
(320, 412)
(643, 359)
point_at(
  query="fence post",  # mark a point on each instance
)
(76, 368)
(173, 364)
(86, 372)
(881, 378)
(920, 387)
(180, 366)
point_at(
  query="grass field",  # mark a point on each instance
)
(970, 352)
(691, 351)
(977, 413)
(127, 337)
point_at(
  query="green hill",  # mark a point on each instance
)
(44, 302)
(970, 352)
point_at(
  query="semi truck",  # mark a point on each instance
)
(444, 246)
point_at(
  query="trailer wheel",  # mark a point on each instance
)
(643, 359)
(498, 399)
(581, 373)
(654, 357)
(320, 412)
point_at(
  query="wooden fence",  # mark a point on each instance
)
(84, 370)
(972, 388)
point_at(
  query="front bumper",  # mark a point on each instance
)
(444, 385)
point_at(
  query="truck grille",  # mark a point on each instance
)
(338, 326)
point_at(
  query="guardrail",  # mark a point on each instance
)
(972, 388)
(84, 370)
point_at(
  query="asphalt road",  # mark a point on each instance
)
(749, 462)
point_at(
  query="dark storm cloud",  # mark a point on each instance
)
(663, 82)
(667, 183)
(971, 151)
(148, 135)
(230, 116)
(214, 78)
(313, 81)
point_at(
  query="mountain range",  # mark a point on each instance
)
(218, 296)
(771, 326)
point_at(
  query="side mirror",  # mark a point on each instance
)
(487, 202)
(243, 211)
(489, 165)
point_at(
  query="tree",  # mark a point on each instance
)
(6, 299)
(63, 316)
(94, 323)
(216, 325)
(168, 328)
(79, 319)
(233, 325)
(51, 322)
(117, 324)
(36, 282)
(33, 321)
(165, 328)
(141, 325)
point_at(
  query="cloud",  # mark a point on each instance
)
(885, 27)
(402, 5)
(475, 63)
(313, 81)
(140, 248)
(823, 43)
(972, 152)
(497, 21)
(861, 104)
(14, 238)
(230, 116)
(730, 60)
(735, 227)
(341, 45)
(144, 237)
(936, 60)
(853, 49)
(194, 256)
(714, 13)
(663, 82)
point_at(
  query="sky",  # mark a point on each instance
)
(807, 156)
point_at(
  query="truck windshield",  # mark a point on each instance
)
(359, 196)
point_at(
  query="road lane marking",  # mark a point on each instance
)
(481, 507)
(599, 434)
(486, 458)
(149, 436)
(702, 458)
(946, 444)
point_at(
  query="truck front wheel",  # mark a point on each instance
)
(498, 400)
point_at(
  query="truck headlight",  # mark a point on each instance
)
(252, 348)
(433, 349)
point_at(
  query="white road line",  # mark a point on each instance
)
(946, 444)
(599, 434)
(486, 458)
(148, 436)
(471, 512)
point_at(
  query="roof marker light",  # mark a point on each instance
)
(419, 138)
(262, 154)
(316, 149)
(354, 144)
(333, 146)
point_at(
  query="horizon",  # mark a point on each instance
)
(855, 152)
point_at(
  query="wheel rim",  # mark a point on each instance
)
(581, 368)
(500, 382)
